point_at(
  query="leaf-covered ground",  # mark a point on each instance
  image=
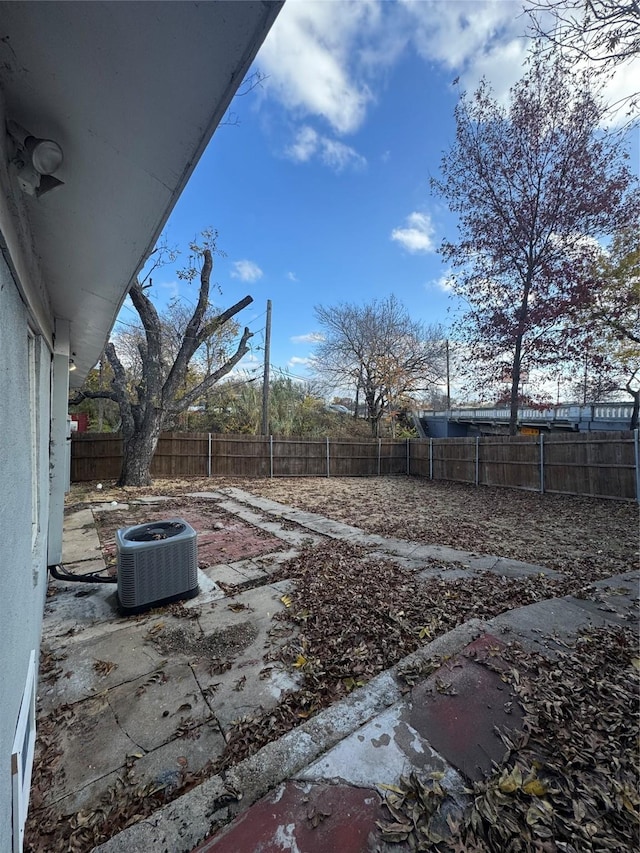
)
(587, 537)
(357, 615)
(569, 779)
(568, 783)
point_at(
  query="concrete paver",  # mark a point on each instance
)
(459, 707)
(222, 573)
(305, 818)
(380, 752)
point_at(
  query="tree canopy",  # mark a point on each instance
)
(602, 31)
(609, 317)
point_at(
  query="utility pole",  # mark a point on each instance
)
(448, 377)
(265, 378)
(100, 399)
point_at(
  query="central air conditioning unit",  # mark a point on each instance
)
(157, 564)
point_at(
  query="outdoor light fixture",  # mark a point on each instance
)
(72, 365)
(36, 160)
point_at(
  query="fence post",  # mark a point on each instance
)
(328, 458)
(636, 448)
(431, 459)
(271, 457)
(379, 452)
(477, 459)
(541, 463)
(408, 458)
(209, 459)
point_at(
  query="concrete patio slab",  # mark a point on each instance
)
(80, 519)
(73, 607)
(95, 664)
(159, 706)
(539, 625)
(162, 768)
(80, 544)
(93, 745)
(86, 567)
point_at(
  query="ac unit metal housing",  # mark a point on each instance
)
(157, 564)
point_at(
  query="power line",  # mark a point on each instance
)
(289, 375)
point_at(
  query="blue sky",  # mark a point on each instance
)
(321, 193)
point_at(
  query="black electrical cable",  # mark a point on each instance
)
(61, 574)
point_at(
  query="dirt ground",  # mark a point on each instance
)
(587, 537)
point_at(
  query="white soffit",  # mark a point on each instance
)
(132, 92)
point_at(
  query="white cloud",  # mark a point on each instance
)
(171, 288)
(326, 59)
(417, 235)
(310, 338)
(444, 283)
(297, 361)
(333, 153)
(312, 60)
(339, 156)
(486, 37)
(304, 146)
(246, 271)
(292, 276)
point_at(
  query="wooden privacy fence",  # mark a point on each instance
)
(98, 456)
(599, 464)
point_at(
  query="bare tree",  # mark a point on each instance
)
(161, 390)
(378, 350)
(530, 184)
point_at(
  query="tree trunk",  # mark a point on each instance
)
(513, 402)
(515, 386)
(635, 414)
(138, 453)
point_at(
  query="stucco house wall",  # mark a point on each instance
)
(132, 122)
(23, 554)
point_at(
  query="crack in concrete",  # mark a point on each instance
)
(123, 730)
(207, 703)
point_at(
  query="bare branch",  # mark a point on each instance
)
(207, 384)
(80, 396)
(128, 412)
